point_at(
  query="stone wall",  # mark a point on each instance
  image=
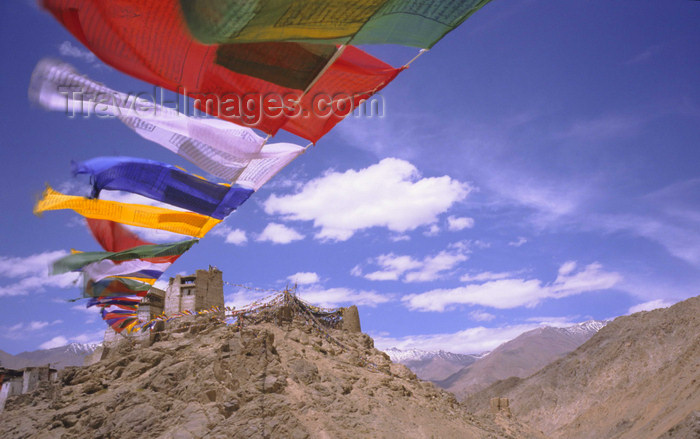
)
(351, 319)
(10, 387)
(33, 376)
(203, 290)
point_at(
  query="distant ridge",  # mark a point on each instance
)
(431, 365)
(60, 357)
(638, 377)
(520, 357)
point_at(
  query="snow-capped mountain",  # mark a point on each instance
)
(589, 327)
(402, 356)
(431, 365)
(60, 357)
(518, 357)
(521, 357)
(81, 348)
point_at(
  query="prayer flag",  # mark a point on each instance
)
(136, 268)
(149, 40)
(185, 223)
(162, 182)
(114, 237)
(114, 286)
(419, 23)
(77, 261)
(225, 150)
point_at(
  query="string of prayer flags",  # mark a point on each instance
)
(150, 41)
(162, 182)
(184, 223)
(79, 260)
(417, 23)
(231, 152)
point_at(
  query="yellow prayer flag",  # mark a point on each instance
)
(185, 223)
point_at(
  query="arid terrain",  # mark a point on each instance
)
(638, 377)
(264, 381)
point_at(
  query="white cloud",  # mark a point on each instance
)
(333, 297)
(433, 230)
(518, 242)
(456, 224)
(514, 292)
(304, 278)
(96, 336)
(279, 234)
(481, 316)
(231, 236)
(408, 269)
(244, 296)
(389, 194)
(468, 341)
(55, 342)
(33, 274)
(649, 306)
(68, 49)
(487, 275)
(35, 264)
(567, 268)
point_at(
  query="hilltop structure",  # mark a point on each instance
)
(202, 290)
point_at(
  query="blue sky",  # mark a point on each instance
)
(539, 165)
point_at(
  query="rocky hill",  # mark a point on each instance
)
(431, 365)
(520, 357)
(638, 377)
(70, 355)
(260, 381)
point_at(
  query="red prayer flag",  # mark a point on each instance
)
(114, 237)
(149, 40)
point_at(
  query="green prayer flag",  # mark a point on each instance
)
(418, 23)
(77, 261)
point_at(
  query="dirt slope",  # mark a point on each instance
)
(520, 357)
(263, 381)
(639, 377)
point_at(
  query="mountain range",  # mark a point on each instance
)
(520, 357)
(431, 365)
(70, 355)
(638, 377)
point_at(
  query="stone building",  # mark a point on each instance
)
(202, 290)
(17, 382)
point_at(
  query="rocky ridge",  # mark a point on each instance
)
(520, 357)
(260, 381)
